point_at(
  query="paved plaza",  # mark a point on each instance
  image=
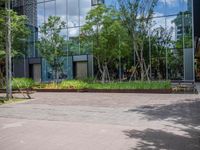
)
(102, 121)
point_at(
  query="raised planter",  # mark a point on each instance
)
(26, 92)
(156, 91)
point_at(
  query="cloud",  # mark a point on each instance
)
(66, 11)
(72, 10)
(169, 2)
(174, 2)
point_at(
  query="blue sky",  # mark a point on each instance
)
(164, 7)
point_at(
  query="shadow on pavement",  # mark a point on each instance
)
(157, 139)
(185, 113)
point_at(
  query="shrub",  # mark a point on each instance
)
(79, 84)
(89, 80)
(132, 85)
(22, 83)
(73, 84)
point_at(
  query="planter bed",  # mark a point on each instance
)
(156, 91)
(24, 92)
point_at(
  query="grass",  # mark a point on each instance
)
(22, 83)
(11, 101)
(77, 84)
(132, 85)
(67, 84)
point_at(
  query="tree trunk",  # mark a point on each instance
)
(143, 69)
(107, 73)
(8, 54)
(56, 70)
(57, 76)
(105, 76)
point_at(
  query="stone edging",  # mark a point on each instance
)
(153, 91)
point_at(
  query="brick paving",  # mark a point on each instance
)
(102, 121)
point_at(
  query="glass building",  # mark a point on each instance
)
(173, 60)
(78, 63)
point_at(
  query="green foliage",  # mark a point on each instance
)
(103, 31)
(78, 84)
(19, 32)
(184, 19)
(66, 84)
(51, 45)
(73, 84)
(136, 16)
(22, 83)
(132, 85)
(161, 41)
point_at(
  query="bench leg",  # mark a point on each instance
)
(28, 95)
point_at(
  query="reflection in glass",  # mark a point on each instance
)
(61, 9)
(49, 9)
(170, 33)
(73, 41)
(73, 13)
(85, 6)
(40, 14)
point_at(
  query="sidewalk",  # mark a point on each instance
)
(102, 121)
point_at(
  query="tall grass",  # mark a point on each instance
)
(132, 85)
(22, 83)
(78, 84)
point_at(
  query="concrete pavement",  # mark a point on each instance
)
(97, 121)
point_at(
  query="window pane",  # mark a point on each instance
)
(49, 9)
(73, 13)
(61, 10)
(40, 14)
(73, 42)
(85, 6)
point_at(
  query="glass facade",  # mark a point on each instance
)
(172, 23)
(171, 17)
(29, 8)
(73, 12)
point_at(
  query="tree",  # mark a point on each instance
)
(19, 32)
(12, 30)
(104, 31)
(161, 43)
(136, 16)
(51, 44)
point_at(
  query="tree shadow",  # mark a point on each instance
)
(186, 113)
(157, 139)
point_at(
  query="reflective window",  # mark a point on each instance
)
(61, 9)
(40, 14)
(172, 18)
(73, 12)
(85, 6)
(49, 9)
(73, 42)
(95, 2)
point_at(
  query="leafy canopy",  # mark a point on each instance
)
(19, 32)
(51, 44)
(104, 29)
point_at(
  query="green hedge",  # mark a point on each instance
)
(78, 84)
(73, 84)
(22, 83)
(132, 85)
